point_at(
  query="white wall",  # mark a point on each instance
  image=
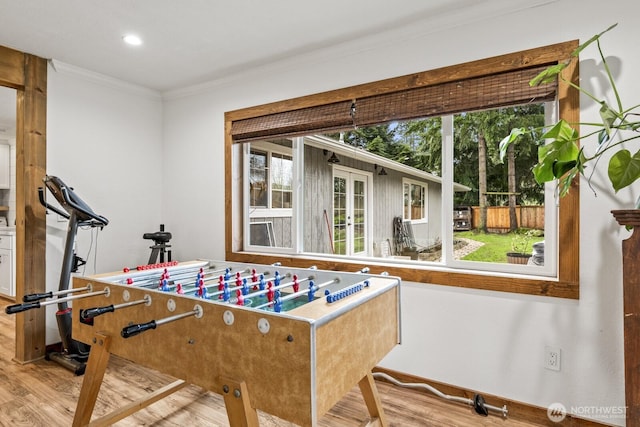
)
(488, 341)
(104, 139)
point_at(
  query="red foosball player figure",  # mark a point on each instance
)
(270, 291)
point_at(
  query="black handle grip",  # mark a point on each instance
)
(90, 313)
(18, 308)
(132, 330)
(158, 236)
(36, 297)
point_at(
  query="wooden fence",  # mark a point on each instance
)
(498, 217)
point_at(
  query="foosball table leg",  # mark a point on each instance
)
(238, 404)
(372, 399)
(94, 373)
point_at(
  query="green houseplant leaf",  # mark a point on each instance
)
(509, 139)
(561, 158)
(624, 169)
(549, 75)
(555, 159)
(562, 131)
(609, 116)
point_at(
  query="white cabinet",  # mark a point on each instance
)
(7, 265)
(5, 167)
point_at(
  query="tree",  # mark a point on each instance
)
(375, 139)
(477, 164)
(482, 181)
(423, 140)
(477, 158)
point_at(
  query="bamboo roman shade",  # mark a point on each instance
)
(478, 93)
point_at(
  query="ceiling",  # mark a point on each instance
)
(189, 42)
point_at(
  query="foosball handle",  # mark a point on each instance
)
(36, 297)
(132, 330)
(18, 308)
(90, 313)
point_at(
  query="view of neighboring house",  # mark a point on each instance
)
(351, 198)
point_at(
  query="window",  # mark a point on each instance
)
(282, 178)
(258, 179)
(341, 219)
(414, 200)
(270, 180)
(269, 193)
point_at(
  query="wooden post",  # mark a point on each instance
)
(631, 298)
(372, 399)
(96, 367)
(31, 236)
(238, 405)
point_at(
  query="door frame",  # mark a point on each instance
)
(350, 173)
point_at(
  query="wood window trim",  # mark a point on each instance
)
(567, 284)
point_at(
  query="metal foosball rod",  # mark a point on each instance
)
(288, 297)
(210, 281)
(243, 291)
(150, 278)
(172, 284)
(18, 308)
(90, 313)
(37, 297)
(132, 330)
(206, 276)
(277, 287)
(255, 277)
(313, 288)
(151, 271)
(222, 282)
(331, 297)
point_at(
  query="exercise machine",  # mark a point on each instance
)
(74, 354)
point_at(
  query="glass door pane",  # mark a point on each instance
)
(340, 215)
(359, 215)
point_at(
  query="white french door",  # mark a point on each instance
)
(350, 212)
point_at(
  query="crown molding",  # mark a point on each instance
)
(103, 80)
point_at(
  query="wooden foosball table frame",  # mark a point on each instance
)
(295, 365)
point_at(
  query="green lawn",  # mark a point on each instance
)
(495, 248)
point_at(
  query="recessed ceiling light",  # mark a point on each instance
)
(132, 39)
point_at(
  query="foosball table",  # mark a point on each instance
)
(287, 341)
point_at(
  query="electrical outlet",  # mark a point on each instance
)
(552, 358)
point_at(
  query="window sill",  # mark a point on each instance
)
(418, 221)
(272, 213)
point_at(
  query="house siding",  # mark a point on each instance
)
(387, 204)
(318, 190)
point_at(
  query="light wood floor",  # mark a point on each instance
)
(45, 394)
